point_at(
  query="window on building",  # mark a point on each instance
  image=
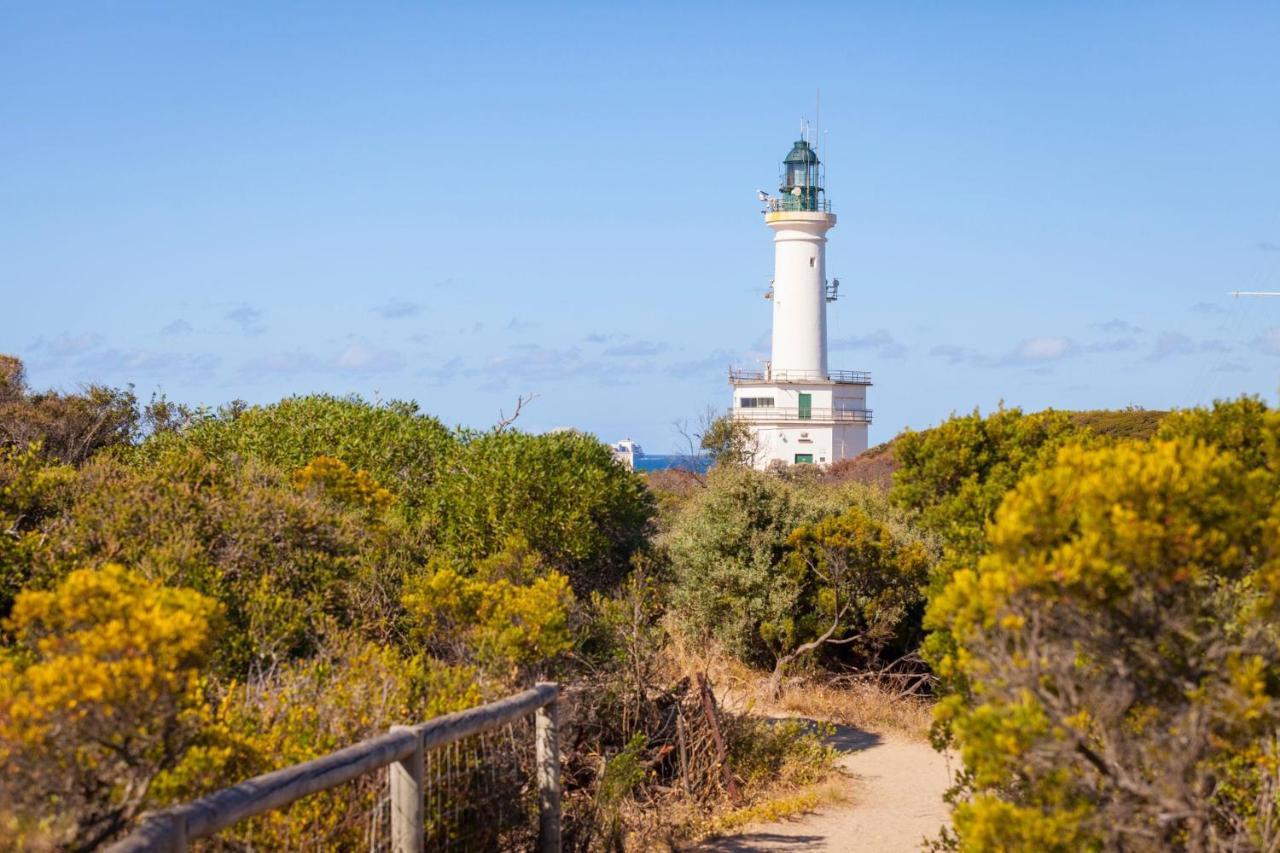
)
(811, 263)
(755, 403)
(804, 458)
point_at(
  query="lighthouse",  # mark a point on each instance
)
(798, 410)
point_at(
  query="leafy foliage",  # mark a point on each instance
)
(726, 545)
(334, 479)
(561, 493)
(67, 428)
(349, 691)
(847, 579)
(1118, 650)
(513, 624)
(956, 474)
(398, 446)
(100, 694)
(286, 566)
(32, 492)
(729, 441)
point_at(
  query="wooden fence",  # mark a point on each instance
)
(402, 750)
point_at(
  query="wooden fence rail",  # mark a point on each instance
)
(403, 749)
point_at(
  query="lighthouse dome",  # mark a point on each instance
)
(801, 154)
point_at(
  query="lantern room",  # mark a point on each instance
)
(801, 178)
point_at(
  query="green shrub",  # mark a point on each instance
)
(562, 493)
(396, 444)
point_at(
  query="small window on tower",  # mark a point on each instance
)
(810, 263)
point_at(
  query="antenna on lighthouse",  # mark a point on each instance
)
(817, 121)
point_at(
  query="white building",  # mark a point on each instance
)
(800, 411)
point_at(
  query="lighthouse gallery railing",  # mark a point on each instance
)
(782, 413)
(840, 377)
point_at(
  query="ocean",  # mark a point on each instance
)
(657, 462)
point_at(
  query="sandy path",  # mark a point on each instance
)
(894, 803)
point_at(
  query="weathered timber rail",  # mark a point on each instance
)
(402, 750)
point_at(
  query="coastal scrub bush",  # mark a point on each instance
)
(511, 628)
(1243, 427)
(399, 447)
(32, 492)
(956, 474)
(1119, 658)
(334, 479)
(285, 565)
(100, 693)
(66, 428)
(847, 580)
(562, 493)
(350, 690)
(728, 545)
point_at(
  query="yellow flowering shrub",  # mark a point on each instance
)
(333, 479)
(100, 693)
(1115, 656)
(351, 691)
(506, 625)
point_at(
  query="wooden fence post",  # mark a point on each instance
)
(547, 758)
(405, 780)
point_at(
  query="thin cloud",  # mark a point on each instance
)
(177, 327)
(66, 345)
(359, 358)
(1039, 351)
(133, 362)
(1116, 345)
(282, 364)
(1207, 308)
(636, 349)
(1268, 246)
(955, 355)
(395, 309)
(880, 341)
(454, 368)
(1118, 327)
(1268, 342)
(717, 362)
(246, 317)
(1171, 345)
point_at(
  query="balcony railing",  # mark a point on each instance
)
(803, 203)
(840, 377)
(774, 414)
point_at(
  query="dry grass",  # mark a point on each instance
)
(782, 805)
(868, 707)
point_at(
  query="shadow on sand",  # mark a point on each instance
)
(844, 739)
(765, 841)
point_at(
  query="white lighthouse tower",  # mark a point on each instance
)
(799, 411)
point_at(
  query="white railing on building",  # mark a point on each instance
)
(402, 750)
(782, 413)
(840, 377)
(800, 204)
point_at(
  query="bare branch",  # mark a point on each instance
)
(504, 421)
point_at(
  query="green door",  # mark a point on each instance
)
(806, 408)
(804, 458)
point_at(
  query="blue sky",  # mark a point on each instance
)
(1040, 203)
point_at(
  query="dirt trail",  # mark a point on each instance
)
(894, 803)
